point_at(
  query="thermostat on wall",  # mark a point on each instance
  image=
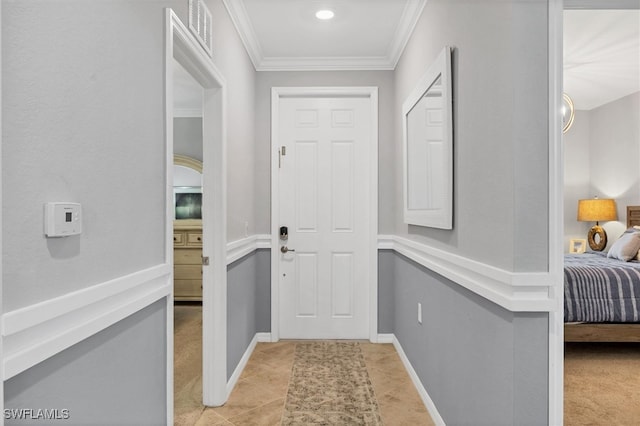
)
(62, 219)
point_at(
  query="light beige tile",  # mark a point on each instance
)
(210, 418)
(247, 395)
(402, 410)
(265, 415)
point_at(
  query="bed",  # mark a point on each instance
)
(602, 294)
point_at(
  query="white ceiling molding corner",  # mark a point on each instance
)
(410, 16)
(326, 64)
(404, 28)
(240, 19)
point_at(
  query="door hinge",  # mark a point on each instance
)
(205, 260)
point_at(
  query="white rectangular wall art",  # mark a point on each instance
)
(427, 117)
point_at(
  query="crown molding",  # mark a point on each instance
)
(240, 18)
(412, 12)
(379, 63)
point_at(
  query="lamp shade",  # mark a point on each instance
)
(596, 210)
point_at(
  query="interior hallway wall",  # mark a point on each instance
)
(83, 120)
(469, 352)
(117, 376)
(500, 128)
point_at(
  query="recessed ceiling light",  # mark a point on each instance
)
(325, 14)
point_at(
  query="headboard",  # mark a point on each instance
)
(633, 216)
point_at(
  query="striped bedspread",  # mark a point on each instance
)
(598, 289)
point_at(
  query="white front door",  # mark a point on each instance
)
(324, 201)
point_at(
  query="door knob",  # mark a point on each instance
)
(285, 249)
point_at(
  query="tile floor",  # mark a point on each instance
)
(259, 396)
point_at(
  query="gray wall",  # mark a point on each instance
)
(480, 364)
(386, 122)
(386, 291)
(500, 127)
(602, 153)
(83, 121)
(248, 303)
(236, 67)
(187, 137)
(115, 377)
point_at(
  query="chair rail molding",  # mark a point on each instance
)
(40, 331)
(514, 291)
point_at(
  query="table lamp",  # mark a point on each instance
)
(596, 210)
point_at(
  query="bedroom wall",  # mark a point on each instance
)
(602, 153)
(470, 352)
(577, 159)
(614, 144)
(187, 137)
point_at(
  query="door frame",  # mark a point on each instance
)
(278, 93)
(556, 192)
(181, 45)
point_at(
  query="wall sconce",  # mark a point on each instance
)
(568, 113)
(596, 210)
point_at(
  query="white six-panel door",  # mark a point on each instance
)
(324, 201)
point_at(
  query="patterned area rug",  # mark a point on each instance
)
(330, 385)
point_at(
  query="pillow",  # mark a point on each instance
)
(632, 230)
(626, 248)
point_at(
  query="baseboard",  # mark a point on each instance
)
(386, 338)
(263, 337)
(426, 399)
(233, 380)
(37, 332)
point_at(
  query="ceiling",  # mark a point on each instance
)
(601, 47)
(285, 34)
(601, 56)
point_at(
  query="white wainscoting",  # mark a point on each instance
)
(514, 291)
(236, 250)
(37, 332)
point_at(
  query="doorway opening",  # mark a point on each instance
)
(209, 203)
(187, 241)
(600, 74)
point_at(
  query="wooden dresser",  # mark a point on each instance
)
(187, 260)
